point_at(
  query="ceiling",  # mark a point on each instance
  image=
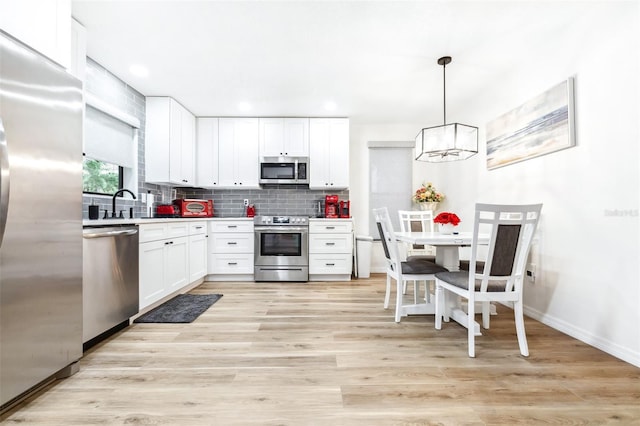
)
(375, 60)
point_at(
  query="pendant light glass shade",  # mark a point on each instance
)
(449, 142)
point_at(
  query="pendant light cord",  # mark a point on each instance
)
(444, 93)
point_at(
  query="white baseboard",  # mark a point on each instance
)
(590, 339)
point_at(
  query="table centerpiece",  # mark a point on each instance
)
(446, 221)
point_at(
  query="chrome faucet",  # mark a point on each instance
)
(113, 201)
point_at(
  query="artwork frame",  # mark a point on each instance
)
(540, 126)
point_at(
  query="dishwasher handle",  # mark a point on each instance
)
(109, 233)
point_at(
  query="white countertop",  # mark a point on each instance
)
(138, 221)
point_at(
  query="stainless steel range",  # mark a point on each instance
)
(281, 248)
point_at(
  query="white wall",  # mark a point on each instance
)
(588, 278)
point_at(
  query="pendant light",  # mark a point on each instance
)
(448, 142)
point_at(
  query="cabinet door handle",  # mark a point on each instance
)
(232, 263)
(232, 243)
(330, 244)
(329, 227)
(330, 264)
(199, 227)
(232, 226)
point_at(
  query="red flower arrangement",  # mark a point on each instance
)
(447, 217)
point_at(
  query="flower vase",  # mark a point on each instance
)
(429, 206)
(445, 228)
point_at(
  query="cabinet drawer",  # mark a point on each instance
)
(231, 243)
(197, 228)
(330, 243)
(231, 226)
(330, 264)
(230, 263)
(330, 226)
(177, 229)
(152, 232)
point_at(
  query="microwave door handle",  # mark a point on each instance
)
(295, 169)
(4, 181)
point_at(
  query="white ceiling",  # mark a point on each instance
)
(375, 59)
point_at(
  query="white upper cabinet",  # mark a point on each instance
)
(78, 58)
(207, 153)
(238, 152)
(45, 25)
(284, 137)
(328, 153)
(169, 143)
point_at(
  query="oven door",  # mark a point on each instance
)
(282, 246)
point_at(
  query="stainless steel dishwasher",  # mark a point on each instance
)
(109, 279)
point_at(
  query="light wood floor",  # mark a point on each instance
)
(328, 354)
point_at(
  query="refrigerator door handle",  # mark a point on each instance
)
(4, 181)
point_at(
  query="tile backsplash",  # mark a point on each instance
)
(269, 200)
(296, 200)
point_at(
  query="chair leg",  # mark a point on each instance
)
(400, 283)
(387, 294)
(439, 305)
(471, 335)
(486, 314)
(518, 312)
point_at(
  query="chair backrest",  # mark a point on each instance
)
(388, 237)
(511, 229)
(416, 221)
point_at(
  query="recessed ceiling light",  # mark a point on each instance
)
(139, 70)
(330, 106)
(244, 106)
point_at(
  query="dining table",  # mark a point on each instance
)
(447, 255)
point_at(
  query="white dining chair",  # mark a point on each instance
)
(417, 221)
(400, 271)
(511, 229)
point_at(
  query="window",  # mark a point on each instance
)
(111, 152)
(390, 171)
(100, 177)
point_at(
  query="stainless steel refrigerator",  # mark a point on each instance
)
(40, 220)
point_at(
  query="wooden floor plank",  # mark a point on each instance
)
(327, 353)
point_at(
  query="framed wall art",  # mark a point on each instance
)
(540, 126)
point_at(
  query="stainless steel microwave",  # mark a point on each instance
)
(284, 170)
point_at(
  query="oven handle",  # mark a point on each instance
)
(282, 229)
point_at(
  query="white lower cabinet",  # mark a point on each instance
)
(172, 256)
(197, 250)
(231, 250)
(176, 264)
(152, 282)
(330, 249)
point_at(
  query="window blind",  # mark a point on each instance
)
(108, 139)
(390, 170)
